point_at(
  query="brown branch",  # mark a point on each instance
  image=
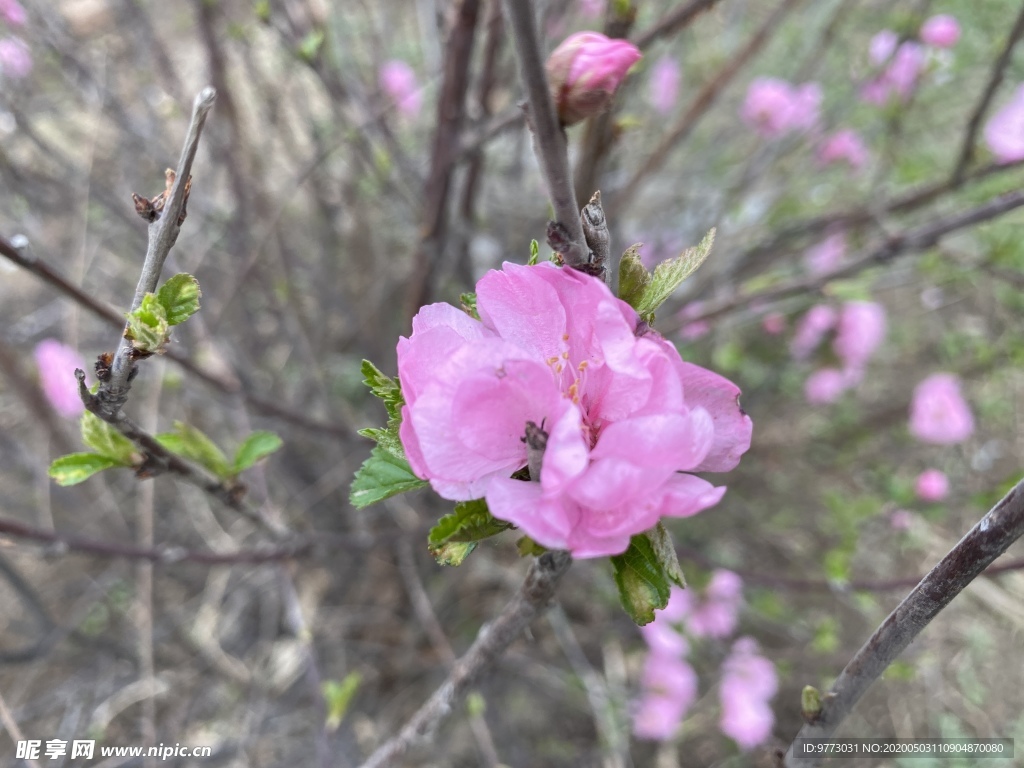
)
(533, 597)
(994, 80)
(673, 22)
(61, 543)
(699, 106)
(986, 541)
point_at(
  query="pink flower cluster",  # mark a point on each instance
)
(775, 108)
(670, 684)
(844, 145)
(938, 412)
(902, 66)
(585, 71)
(57, 364)
(15, 55)
(623, 417)
(398, 81)
(1004, 132)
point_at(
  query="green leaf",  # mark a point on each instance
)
(382, 475)
(311, 44)
(471, 521)
(644, 574)
(256, 446)
(107, 441)
(179, 297)
(634, 279)
(147, 326)
(527, 547)
(338, 696)
(534, 253)
(76, 467)
(670, 274)
(383, 387)
(468, 301)
(386, 439)
(453, 553)
(665, 552)
(191, 443)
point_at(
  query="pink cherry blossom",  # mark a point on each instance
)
(664, 84)
(717, 612)
(811, 329)
(670, 688)
(398, 81)
(825, 256)
(940, 31)
(748, 683)
(899, 78)
(57, 364)
(859, 332)
(664, 639)
(932, 485)
(585, 71)
(825, 386)
(774, 107)
(882, 47)
(12, 12)
(1004, 132)
(938, 412)
(845, 145)
(623, 414)
(774, 323)
(15, 58)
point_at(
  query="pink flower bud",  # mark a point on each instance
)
(15, 58)
(882, 47)
(860, 330)
(398, 81)
(844, 145)
(932, 485)
(585, 71)
(938, 412)
(12, 12)
(941, 31)
(1004, 132)
(899, 78)
(664, 85)
(57, 364)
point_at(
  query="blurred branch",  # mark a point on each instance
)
(533, 597)
(673, 22)
(699, 106)
(986, 541)
(163, 233)
(994, 80)
(912, 241)
(549, 138)
(60, 543)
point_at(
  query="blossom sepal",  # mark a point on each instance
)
(456, 534)
(646, 291)
(645, 573)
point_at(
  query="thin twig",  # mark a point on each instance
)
(162, 234)
(672, 22)
(532, 598)
(986, 541)
(549, 137)
(11, 726)
(163, 554)
(994, 80)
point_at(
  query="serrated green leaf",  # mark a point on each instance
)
(382, 475)
(634, 279)
(147, 326)
(470, 521)
(527, 547)
(386, 439)
(179, 297)
(453, 553)
(338, 697)
(383, 387)
(106, 441)
(76, 467)
(670, 274)
(643, 577)
(191, 443)
(468, 301)
(256, 446)
(534, 253)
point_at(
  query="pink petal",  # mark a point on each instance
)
(720, 398)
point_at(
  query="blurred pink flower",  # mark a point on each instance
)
(941, 31)
(932, 485)
(859, 332)
(15, 58)
(398, 81)
(1004, 132)
(661, 635)
(670, 688)
(664, 84)
(826, 255)
(938, 412)
(899, 78)
(748, 683)
(844, 145)
(811, 329)
(825, 386)
(592, 8)
(882, 47)
(585, 71)
(717, 613)
(774, 107)
(901, 519)
(12, 12)
(774, 323)
(57, 364)
(695, 330)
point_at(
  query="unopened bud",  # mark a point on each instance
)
(585, 71)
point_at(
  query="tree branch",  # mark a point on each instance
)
(492, 640)
(986, 541)
(673, 22)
